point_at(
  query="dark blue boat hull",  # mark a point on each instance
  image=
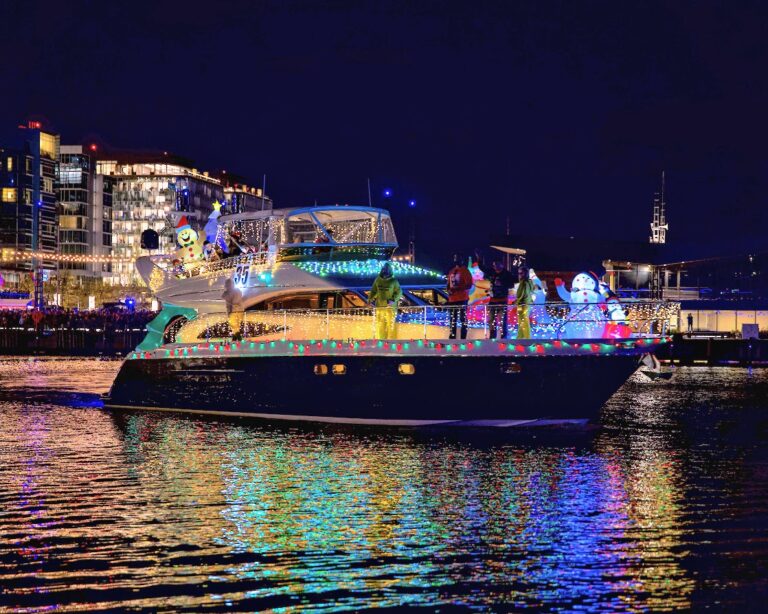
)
(373, 389)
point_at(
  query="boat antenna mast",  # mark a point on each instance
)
(370, 200)
(659, 224)
(263, 190)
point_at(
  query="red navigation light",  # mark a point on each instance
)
(93, 147)
(34, 125)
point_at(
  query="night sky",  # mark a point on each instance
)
(561, 115)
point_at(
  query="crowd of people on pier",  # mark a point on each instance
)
(56, 318)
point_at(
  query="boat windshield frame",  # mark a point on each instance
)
(309, 226)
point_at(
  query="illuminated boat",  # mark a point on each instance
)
(308, 353)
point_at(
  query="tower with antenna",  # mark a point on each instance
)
(659, 224)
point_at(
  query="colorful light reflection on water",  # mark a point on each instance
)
(662, 508)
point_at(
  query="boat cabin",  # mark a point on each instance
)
(313, 233)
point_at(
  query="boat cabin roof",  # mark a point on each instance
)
(324, 213)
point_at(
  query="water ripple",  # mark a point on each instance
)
(662, 508)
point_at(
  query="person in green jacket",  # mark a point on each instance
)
(524, 300)
(384, 296)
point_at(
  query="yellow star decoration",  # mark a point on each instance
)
(217, 205)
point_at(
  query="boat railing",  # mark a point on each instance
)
(547, 321)
(292, 251)
(185, 270)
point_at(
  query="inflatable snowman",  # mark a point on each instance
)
(191, 245)
(541, 323)
(586, 318)
(540, 292)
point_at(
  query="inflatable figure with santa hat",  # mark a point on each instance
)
(617, 326)
(191, 245)
(478, 293)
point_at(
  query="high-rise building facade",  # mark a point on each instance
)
(28, 201)
(147, 191)
(84, 212)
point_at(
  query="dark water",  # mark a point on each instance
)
(664, 507)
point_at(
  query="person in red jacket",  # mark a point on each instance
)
(459, 285)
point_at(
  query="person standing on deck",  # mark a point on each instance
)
(233, 298)
(501, 282)
(459, 285)
(384, 296)
(524, 293)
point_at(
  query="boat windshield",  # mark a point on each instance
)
(332, 225)
(339, 225)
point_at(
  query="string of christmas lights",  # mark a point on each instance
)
(415, 322)
(326, 347)
(302, 228)
(11, 255)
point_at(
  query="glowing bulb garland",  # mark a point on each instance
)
(9, 255)
(413, 322)
(352, 347)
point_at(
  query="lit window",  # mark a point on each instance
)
(321, 369)
(49, 146)
(9, 195)
(9, 163)
(406, 368)
(339, 369)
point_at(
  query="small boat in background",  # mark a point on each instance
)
(652, 369)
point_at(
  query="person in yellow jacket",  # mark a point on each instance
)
(384, 296)
(524, 300)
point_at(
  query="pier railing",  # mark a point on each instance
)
(546, 321)
(69, 341)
